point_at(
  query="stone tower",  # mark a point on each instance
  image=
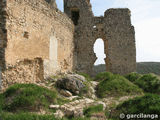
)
(52, 3)
(114, 28)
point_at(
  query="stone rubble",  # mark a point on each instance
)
(75, 108)
(65, 93)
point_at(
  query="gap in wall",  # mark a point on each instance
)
(99, 65)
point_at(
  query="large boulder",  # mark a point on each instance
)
(71, 83)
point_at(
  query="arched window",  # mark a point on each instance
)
(99, 51)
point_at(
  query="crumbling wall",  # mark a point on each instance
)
(26, 31)
(114, 28)
(121, 40)
(27, 71)
(3, 36)
(31, 24)
(84, 56)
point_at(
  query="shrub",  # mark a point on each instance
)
(149, 83)
(116, 85)
(148, 104)
(133, 76)
(31, 116)
(103, 76)
(84, 118)
(27, 97)
(93, 109)
(26, 116)
(1, 102)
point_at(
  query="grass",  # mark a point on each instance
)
(31, 116)
(116, 86)
(1, 102)
(149, 83)
(85, 118)
(93, 109)
(27, 97)
(148, 104)
(23, 102)
(103, 76)
(26, 116)
(133, 76)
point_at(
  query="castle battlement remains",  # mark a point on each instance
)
(37, 40)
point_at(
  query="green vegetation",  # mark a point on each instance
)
(149, 83)
(103, 76)
(27, 97)
(148, 104)
(26, 116)
(93, 109)
(85, 118)
(1, 102)
(133, 76)
(31, 116)
(116, 86)
(25, 101)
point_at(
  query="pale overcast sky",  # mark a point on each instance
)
(146, 20)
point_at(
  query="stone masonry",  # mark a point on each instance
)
(37, 40)
(31, 29)
(114, 28)
(27, 71)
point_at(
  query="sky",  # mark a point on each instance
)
(145, 16)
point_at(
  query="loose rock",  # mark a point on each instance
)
(54, 106)
(71, 83)
(65, 93)
(59, 114)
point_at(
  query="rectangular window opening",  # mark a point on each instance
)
(75, 16)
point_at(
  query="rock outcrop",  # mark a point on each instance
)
(71, 83)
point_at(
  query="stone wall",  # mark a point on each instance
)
(121, 40)
(114, 28)
(31, 24)
(3, 33)
(31, 29)
(28, 30)
(84, 56)
(27, 71)
(3, 37)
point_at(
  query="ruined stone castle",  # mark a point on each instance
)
(38, 40)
